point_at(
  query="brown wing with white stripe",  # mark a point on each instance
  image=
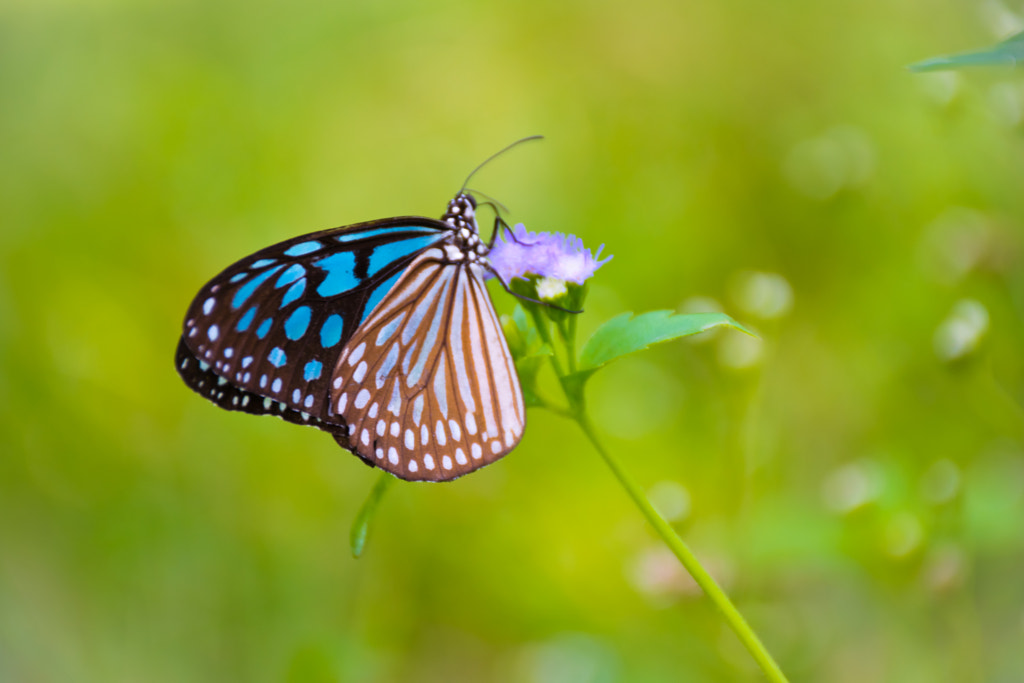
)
(427, 384)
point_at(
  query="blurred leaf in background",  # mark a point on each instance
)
(854, 477)
(1009, 52)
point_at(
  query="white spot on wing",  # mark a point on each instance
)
(395, 404)
(440, 390)
(362, 398)
(389, 329)
(357, 354)
(389, 364)
(360, 373)
(417, 409)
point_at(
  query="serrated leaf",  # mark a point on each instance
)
(1010, 52)
(625, 334)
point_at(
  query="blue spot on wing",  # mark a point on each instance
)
(312, 370)
(297, 323)
(365, 234)
(238, 277)
(303, 248)
(294, 292)
(386, 254)
(330, 331)
(290, 275)
(262, 263)
(264, 327)
(246, 290)
(340, 274)
(378, 294)
(246, 320)
(277, 357)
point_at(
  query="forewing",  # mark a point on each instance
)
(427, 385)
(272, 325)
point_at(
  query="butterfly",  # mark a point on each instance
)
(379, 333)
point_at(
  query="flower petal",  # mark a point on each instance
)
(552, 255)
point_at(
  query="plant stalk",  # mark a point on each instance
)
(732, 615)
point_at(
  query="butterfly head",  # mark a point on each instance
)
(461, 212)
(465, 236)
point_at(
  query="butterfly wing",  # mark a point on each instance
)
(264, 335)
(427, 385)
(201, 377)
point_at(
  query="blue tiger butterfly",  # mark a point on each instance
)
(380, 333)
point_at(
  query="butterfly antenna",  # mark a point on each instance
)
(496, 155)
(498, 206)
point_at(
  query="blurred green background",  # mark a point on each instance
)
(855, 479)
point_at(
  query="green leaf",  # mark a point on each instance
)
(361, 525)
(625, 334)
(527, 367)
(1010, 52)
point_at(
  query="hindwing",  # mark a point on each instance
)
(427, 385)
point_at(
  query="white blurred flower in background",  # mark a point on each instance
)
(671, 500)
(842, 157)
(961, 332)
(768, 296)
(851, 486)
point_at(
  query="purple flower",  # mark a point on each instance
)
(550, 255)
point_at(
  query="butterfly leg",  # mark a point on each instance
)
(499, 226)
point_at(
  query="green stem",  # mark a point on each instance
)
(361, 526)
(732, 615)
(541, 323)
